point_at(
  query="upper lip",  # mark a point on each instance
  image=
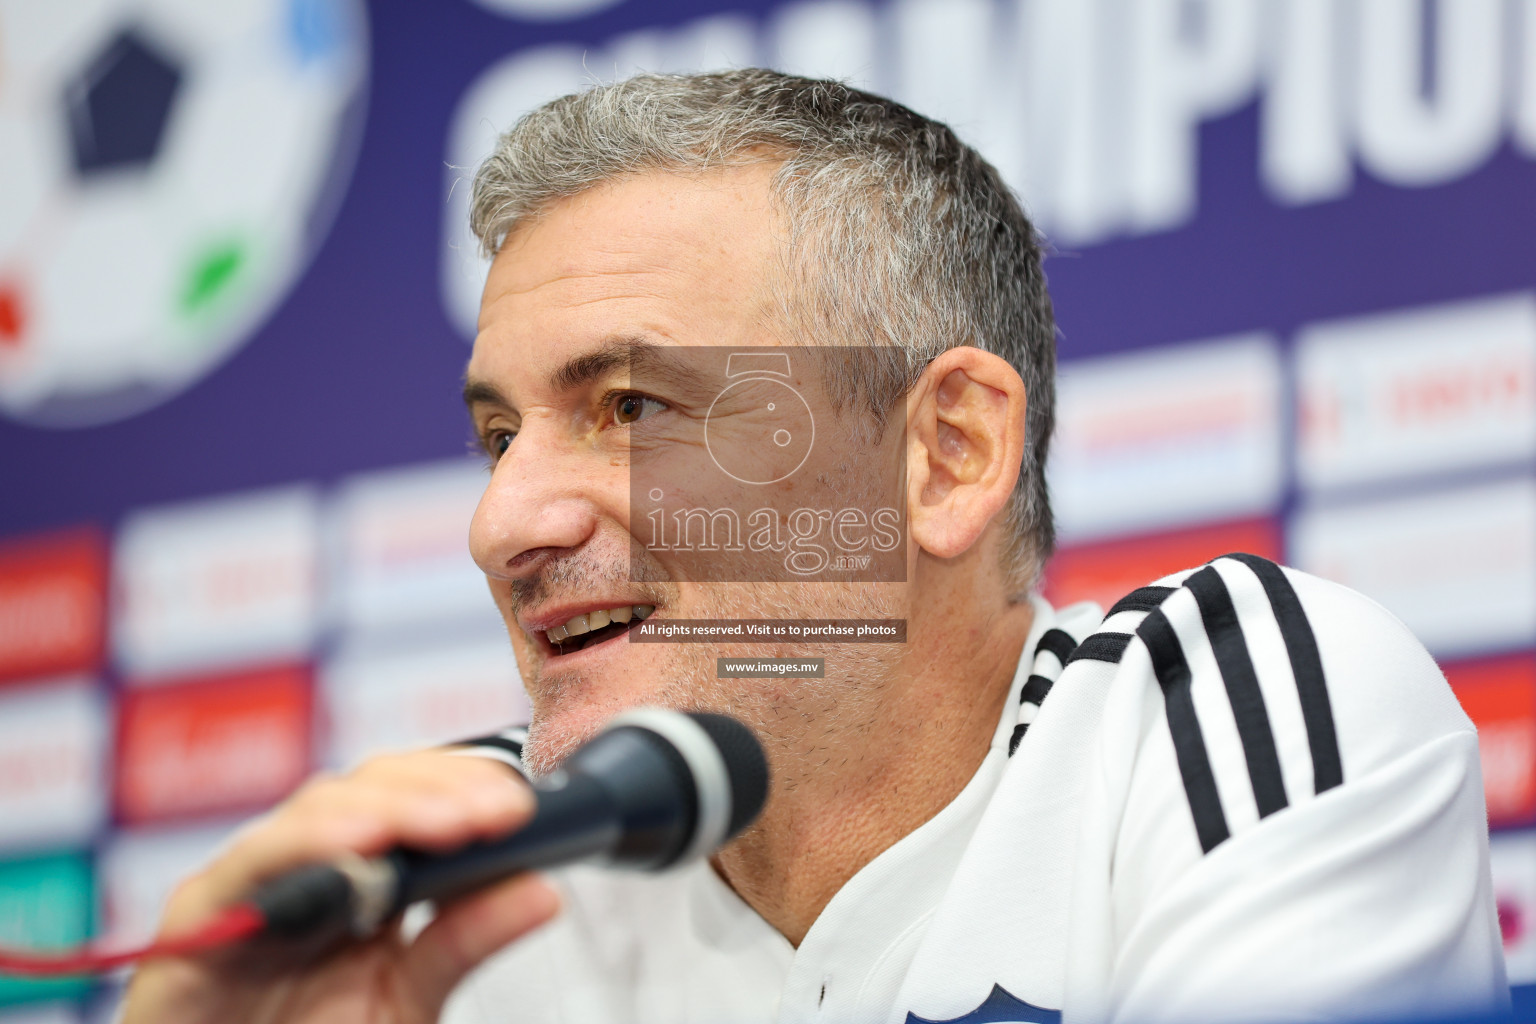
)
(559, 614)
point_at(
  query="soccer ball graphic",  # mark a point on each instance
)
(166, 168)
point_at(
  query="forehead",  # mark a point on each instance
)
(680, 258)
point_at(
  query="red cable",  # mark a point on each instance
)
(238, 922)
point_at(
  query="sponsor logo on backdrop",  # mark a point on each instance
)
(222, 582)
(1416, 391)
(1458, 566)
(1159, 438)
(1513, 860)
(46, 902)
(1091, 109)
(53, 748)
(1108, 570)
(1500, 698)
(139, 868)
(402, 543)
(212, 745)
(379, 698)
(177, 161)
(53, 590)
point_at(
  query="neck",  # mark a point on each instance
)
(840, 800)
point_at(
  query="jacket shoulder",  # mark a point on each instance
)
(1269, 686)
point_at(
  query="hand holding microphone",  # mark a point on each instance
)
(656, 788)
(343, 856)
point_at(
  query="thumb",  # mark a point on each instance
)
(470, 929)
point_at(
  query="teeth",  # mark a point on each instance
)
(598, 619)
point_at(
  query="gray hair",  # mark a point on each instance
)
(901, 236)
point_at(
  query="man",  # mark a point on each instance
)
(1246, 793)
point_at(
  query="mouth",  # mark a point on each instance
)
(592, 628)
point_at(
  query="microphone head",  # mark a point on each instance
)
(718, 773)
(746, 767)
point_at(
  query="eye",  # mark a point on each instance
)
(497, 442)
(629, 407)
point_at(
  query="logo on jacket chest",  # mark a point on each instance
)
(1000, 1007)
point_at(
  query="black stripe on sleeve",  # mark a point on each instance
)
(1188, 741)
(1306, 667)
(1102, 647)
(1018, 735)
(500, 742)
(1143, 599)
(1035, 689)
(1236, 666)
(1058, 642)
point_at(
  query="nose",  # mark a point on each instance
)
(539, 500)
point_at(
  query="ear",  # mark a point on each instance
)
(965, 441)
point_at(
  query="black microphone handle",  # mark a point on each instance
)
(353, 895)
(627, 797)
(573, 822)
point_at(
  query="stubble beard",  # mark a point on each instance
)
(804, 724)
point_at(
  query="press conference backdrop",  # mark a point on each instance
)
(1294, 261)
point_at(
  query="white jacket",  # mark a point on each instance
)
(1246, 794)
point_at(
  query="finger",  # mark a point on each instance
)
(481, 798)
(472, 786)
(442, 807)
(467, 931)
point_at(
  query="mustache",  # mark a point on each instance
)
(581, 571)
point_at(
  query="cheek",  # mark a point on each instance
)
(501, 595)
(522, 647)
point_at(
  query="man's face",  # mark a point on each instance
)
(582, 369)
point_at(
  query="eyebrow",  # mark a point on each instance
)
(637, 354)
(483, 392)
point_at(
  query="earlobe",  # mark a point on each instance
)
(966, 425)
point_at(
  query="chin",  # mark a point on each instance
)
(575, 696)
(561, 725)
(543, 750)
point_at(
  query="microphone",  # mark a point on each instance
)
(654, 789)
